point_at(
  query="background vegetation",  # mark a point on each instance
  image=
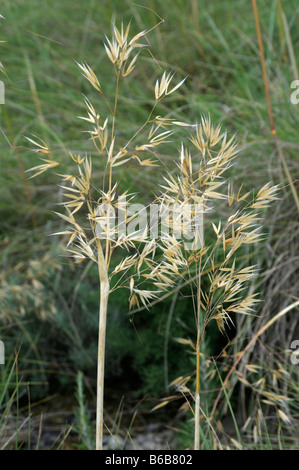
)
(48, 308)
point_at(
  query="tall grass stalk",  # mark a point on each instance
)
(186, 201)
(84, 243)
(210, 265)
(198, 339)
(104, 296)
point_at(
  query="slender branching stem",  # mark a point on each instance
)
(143, 125)
(104, 291)
(110, 164)
(197, 391)
(115, 105)
(198, 342)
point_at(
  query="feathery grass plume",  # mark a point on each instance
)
(92, 230)
(201, 182)
(186, 202)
